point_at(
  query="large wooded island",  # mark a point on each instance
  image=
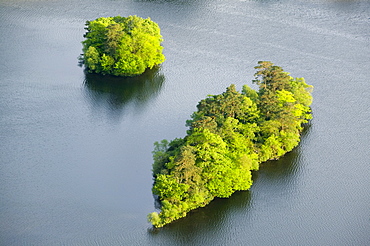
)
(229, 136)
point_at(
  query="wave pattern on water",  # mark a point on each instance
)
(76, 156)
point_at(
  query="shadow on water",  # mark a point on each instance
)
(115, 96)
(217, 215)
(203, 221)
(283, 170)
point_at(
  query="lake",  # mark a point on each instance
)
(75, 149)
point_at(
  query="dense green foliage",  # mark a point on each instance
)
(229, 135)
(121, 46)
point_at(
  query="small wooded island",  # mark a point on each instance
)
(229, 136)
(121, 46)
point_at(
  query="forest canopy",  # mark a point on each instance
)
(121, 46)
(229, 136)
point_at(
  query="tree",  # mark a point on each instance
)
(121, 46)
(229, 135)
(284, 104)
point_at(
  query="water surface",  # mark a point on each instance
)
(75, 150)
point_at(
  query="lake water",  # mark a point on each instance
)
(75, 149)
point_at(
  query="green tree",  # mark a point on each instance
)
(92, 59)
(229, 135)
(121, 46)
(284, 104)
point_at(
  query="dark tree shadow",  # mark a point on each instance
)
(202, 221)
(287, 167)
(117, 95)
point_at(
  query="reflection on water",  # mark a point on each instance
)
(286, 169)
(116, 95)
(204, 222)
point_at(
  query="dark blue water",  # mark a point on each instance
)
(75, 149)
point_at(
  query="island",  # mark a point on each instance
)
(229, 136)
(121, 46)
